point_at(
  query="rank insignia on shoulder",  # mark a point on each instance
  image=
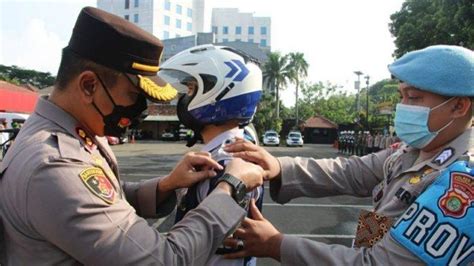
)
(98, 183)
(86, 139)
(443, 156)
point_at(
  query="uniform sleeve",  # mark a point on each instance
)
(310, 177)
(63, 211)
(301, 251)
(143, 197)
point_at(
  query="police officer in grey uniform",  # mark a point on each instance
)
(61, 197)
(422, 189)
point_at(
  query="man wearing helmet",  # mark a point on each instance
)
(61, 198)
(222, 89)
(422, 189)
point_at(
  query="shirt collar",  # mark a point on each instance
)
(50, 111)
(221, 138)
(450, 152)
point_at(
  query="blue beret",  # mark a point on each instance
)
(442, 69)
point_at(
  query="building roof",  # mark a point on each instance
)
(17, 99)
(319, 122)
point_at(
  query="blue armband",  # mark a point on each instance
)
(439, 226)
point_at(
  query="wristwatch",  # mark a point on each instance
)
(239, 190)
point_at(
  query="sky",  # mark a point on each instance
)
(337, 37)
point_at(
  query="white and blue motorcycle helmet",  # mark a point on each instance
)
(229, 85)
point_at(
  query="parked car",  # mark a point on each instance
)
(294, 138)
(168, 136)
(112, 140)
(271, 138)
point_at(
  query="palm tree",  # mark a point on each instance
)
(276, 73)
(299, 70)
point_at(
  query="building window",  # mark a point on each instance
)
(177, 35)
(225, 40)
(135, 18)
(190, 12)
(166, 35)
(214, 29)
(127, 4)
(237, 40)
(178, 23)
(179, 9)
(127, 17)
(238, 30)
(251, 30)
(167, 5)
(189, 26)
(250, 40)
(136, 3)
(263, 42)
(263, 30)
(167, 20)
(225, 30)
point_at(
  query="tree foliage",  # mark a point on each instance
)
(265, 116)
(298, 71)
(421, 23)
(16, 75)
(277, 74)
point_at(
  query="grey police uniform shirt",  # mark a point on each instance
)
(51, 217)
(390, 176)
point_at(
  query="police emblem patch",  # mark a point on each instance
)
(98, 183)
(459, 196)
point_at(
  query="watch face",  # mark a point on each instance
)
(240, 192)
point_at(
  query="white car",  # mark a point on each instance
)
(294, 139)
(271, 138)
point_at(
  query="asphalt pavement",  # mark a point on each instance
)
(330, 220)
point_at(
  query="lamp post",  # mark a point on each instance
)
(367, 77)
(357, 87)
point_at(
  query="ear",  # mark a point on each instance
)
(462, 105)
(87, 84)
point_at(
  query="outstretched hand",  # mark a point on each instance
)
(258, 236)
(256, 154)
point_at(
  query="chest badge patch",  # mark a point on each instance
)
(415, 179)
(98, 183)
(459, 196)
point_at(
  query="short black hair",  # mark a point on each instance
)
(73, 65)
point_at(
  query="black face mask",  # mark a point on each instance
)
(117, 122)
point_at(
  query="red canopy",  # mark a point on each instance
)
(16, 99)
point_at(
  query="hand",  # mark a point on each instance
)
(194, 167)
(256, 154)
(251, 174)
(259, 237)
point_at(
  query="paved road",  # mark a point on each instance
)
(330, 220)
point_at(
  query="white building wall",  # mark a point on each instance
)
(152, 13)
(232, 18)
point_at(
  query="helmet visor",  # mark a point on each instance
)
(181, 81)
